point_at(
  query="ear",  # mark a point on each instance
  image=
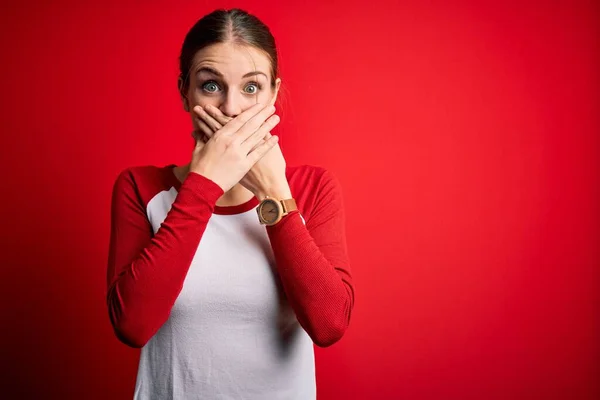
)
(184, 99)
(277, 86)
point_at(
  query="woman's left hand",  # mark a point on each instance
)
(267, 177)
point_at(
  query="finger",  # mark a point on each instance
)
(204, 138)
(208, 120)
(258, 144)
(239, 121)
(261, 150)
(205, 129)
(199, 136)
(267, 136)
(253, 124)
(217, 114)
(199, 143)
(259, 135)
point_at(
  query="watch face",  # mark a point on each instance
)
(269, 211)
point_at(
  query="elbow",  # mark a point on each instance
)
(328, 339)
(130, 332)
(130, 337)
(329, 334)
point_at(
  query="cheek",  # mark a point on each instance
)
(267, 96)
(249, 102)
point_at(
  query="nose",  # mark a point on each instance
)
(232, 104)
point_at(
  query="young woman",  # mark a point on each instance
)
(226, 270)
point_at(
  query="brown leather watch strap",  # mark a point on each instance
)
(289, 205)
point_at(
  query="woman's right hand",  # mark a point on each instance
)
(227, 156)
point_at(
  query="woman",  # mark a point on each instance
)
(226, 270)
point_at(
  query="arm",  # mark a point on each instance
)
(146, 272)
(313, 265)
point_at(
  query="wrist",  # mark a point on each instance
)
(279, 191)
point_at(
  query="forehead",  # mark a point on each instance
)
(232, 60)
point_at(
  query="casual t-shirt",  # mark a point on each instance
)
(221, 306)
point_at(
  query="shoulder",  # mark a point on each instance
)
(310, 176)
(314, 186)
(143, 182)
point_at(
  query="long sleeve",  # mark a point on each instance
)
(146, 272)
(313, 265)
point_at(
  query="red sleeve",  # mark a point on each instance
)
(313, 265)
(146, 272)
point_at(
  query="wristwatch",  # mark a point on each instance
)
(271, 211)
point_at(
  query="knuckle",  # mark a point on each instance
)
(221, 140)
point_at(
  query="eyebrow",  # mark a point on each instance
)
(220, 75)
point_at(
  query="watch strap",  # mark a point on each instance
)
(289, 205)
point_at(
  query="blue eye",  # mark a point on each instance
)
(253, 86)
(210, 87)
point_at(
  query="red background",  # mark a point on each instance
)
(465, 136)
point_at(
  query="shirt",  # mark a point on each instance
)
(221, 306)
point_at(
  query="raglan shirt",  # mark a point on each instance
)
(221, 306)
